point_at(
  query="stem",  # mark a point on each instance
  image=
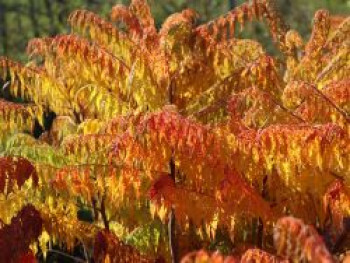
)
(94, 206)
(260, 233)
(171, 90)
(260, 228)
(104, 215)
(172, 237)
(172, 222)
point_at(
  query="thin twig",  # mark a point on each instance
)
(286, 110)
(85, 251)
(343, 113)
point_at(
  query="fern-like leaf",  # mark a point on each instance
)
(16, 237)
(297, 241)
(15, 171)
(109, 247)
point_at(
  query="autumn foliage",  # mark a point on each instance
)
(139, 144)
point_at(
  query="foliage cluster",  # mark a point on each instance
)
(119, 136)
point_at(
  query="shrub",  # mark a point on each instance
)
(187, 126)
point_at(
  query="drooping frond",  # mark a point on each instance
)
(89, 149)
(336, 202)
(17, 117)
(121, 13)
(22, 80)
(260, 256)
(16, 237)
(297, 241)
(289, 147)
(332, 105)
(338, 36)
(224, 27)
(261, 73)
(91, 126)
(38, 46)
(106, 82)
(161, 133)
(250, 256)
(59, 226)
(320, 33)
(99, 63)
(326, 53)
(34, 85)
(258, 109)
(203, 256)
(21, 77)
(75, 180)
(142, 11)
(232, 196)
(14, 172)
(133, 53)
(108, 247)
(284, 149)
(120, 124)
(34, 150)
(264, 74)
(139, 21)
(106, 71)
(128, 206)
(104, 33)
(90, 102)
